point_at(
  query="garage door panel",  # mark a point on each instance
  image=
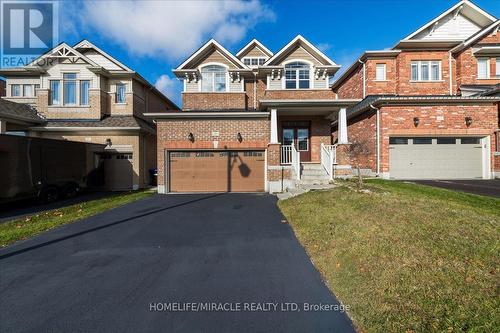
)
(435, 161)
(217, 171)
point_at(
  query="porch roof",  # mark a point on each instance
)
(308, 102)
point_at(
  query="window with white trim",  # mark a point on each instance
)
(380, 72)
(28, 90)
(297, 75)
(15, 90)
(120, 92)
(69, 88)
(483, 68)
(84, 92)
(497, 70)
(425, 70)
(254, 61)
(55, 92)
(213, 78)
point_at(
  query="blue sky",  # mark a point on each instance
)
(153, 37)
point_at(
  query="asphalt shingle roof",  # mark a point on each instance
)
(110, 121)
(19, 111)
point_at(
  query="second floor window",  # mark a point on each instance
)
(380, 72)
(297, 75)
(254, 62)
(28, 90)
(213, 79)
(69, 88)
(54, 92)
(84, 92)
(15, 90)
(483, 68)
(120, 92)
(425, 70)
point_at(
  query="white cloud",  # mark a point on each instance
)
(170, 87)
(324, 47)
(171, 29)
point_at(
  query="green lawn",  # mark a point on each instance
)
(405, 257)
(26, 227)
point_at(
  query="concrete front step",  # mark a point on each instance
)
(311, 166)
(314, 172)
(319, 177)
(312, 181)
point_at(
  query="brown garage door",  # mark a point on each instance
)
(118, 171)
(217, 171)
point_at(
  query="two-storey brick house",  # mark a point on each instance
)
(253, 121)
(430, 104)
(81, 93)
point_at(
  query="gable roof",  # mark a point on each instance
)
(307, 45)
(212, 43)
(480, 34)
(471, 13)
(254, 43)
(61, 51)
(85, 44)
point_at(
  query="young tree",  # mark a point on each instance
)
(354, 151)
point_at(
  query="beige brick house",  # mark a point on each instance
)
(81, 93)
(430, 104)
(253, 121)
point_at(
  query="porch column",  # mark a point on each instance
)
(342, 125)
(274, 126)
(3, 126)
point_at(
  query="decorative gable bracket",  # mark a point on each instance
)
(192, 76)
(235, 76)
(318, 72)
(276, 74)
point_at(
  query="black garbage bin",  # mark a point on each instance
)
(153, 176)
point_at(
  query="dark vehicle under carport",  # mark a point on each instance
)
(46, 168)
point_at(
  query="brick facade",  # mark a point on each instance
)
(214, 101)
(173, 135)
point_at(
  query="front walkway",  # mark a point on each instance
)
(102, 274)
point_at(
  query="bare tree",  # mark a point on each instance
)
(354, 151)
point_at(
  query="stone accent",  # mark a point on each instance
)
(214, 101)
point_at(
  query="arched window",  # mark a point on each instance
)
(213, 78)
(297, 75)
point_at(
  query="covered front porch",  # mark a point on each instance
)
(301, 149)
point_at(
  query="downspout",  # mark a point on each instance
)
(364, 77)
(255, 90)
(450, 72)
(377, 138)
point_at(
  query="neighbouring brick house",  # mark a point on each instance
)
(81, 93)
(253, 121)
(430, 105)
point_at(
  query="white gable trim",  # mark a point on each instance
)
(455, 7)
(58, 48)
(300, 39)
(477, 36)
(250, 44)
(86, 44)
(211, 42)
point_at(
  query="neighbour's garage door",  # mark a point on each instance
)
(435, 158)
(118, 171)
(217, 171)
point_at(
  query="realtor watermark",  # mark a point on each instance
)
(28, 30)
(246, 307)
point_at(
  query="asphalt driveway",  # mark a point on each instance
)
(490, 187)
(109, 272)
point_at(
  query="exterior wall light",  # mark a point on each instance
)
(416, 121)
(468, 121)
(239, 137)
(108, 142)
(191, 137)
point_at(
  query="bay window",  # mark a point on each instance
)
(84, 92)
(297, 75)
(483, 68)
(120, 92)
(15, 90)
(213, 78)
(69, 88)
(425, 70)
(54, 92)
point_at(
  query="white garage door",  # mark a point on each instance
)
(435, 158)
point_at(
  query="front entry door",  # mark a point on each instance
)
(299, 137)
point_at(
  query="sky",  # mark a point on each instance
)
(153, 37)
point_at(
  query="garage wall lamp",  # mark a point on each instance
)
(239, 137)
(416, 121)
(108, 142)
(468, 121)
(191, 137)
